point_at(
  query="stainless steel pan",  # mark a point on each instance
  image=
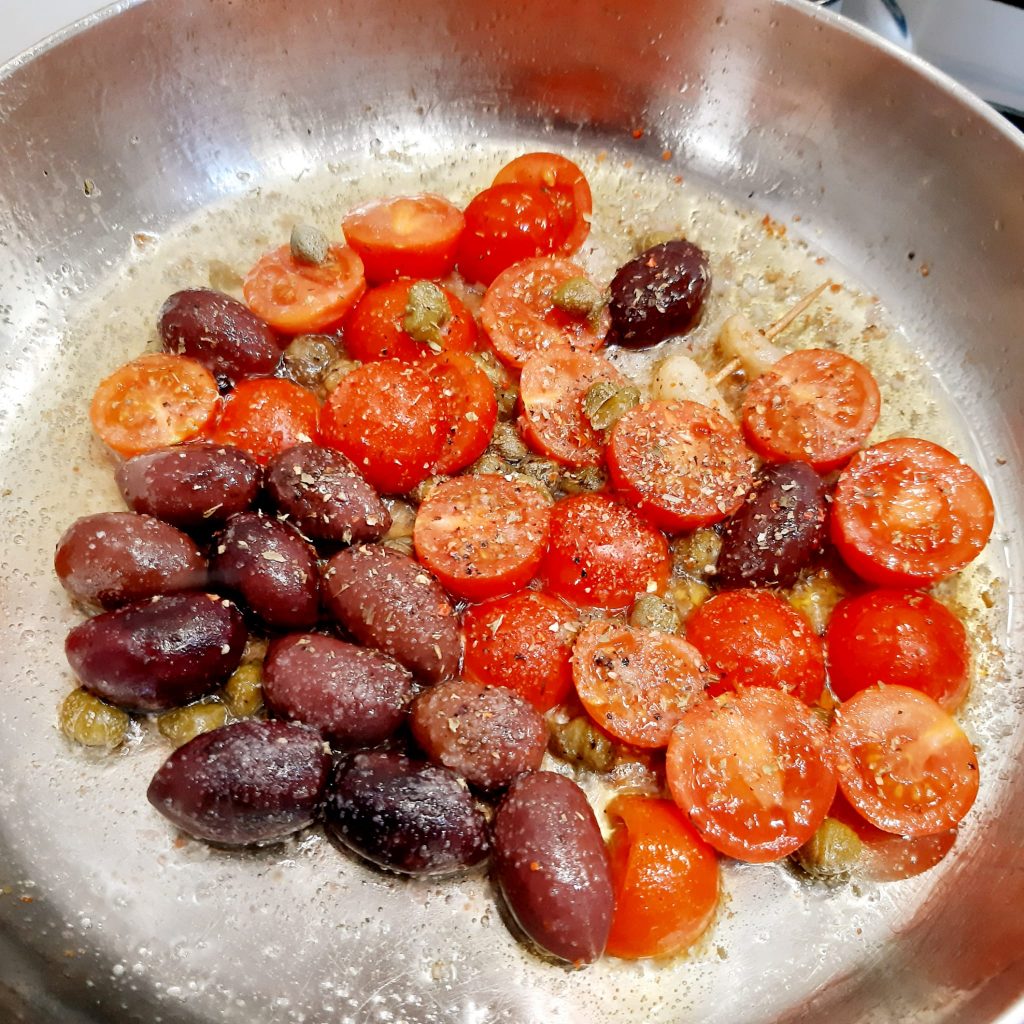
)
(168, 105)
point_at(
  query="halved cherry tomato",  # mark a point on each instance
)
(482, 536)
(682, 464)
(755, 772)
(814, 405)
(303, 298)
(506, 224)
(390, 420)
(552, 388)
(564, 183)
(407, 236)
(665, 879)
(266, 416)
(754, 638)
(907, 512)
(471, 409)
(519, 315)
(153, 401)
(522, 642)
(374, 329)
(898, 638)
(636, 683)
(602, 554)
(904, 763)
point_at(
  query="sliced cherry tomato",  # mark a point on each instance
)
(522, 642)
(153, 401)
(814, 405)
(682, 464)
(506, 224)
(564, 183)
(907, 513)
(390, 420)
(636, 683)
(755, 772)
(374, 329)
(552, 388)
(482, 536)
(520, 318)
(602, 554)
(904, 763)
(471, 409)
(304, 298)
(407, 236)
(898, 638)
(665, 879)
(754, 638)
(264, 417)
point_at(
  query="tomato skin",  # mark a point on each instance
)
(907, 513)
(754, 638)
(665, 879)
(602, 554)
(522, 642)
(471, 409)
(755, 772)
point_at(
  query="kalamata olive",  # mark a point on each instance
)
(354, 696)
(324, 495)
(552, 866)
(388, 601)
(160, 653)
(113, 558)
(487, 734)
(406, 815)
(219, 332)
(777, 530)
(194, 486)
(658, 293)
(270, 567)
(250, 782)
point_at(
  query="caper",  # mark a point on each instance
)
(653, 238)
(508, 443)
(403, 545)
(255, 649)
(337, 371)
(580, 742)
(243, 692)
(425, 488)
(426, 312)
(696, 554)
(815, 597)
(537, 469)
(688, 595)
(403, 518)
(606, 403)
(832, 852)
(184, 724)
(309, 245)
(505, 391)
(91, 722)
(308, 358)
(578, 296)
(653, 612)
(582, 480)
(490, 462)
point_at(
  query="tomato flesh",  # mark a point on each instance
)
(471, 409)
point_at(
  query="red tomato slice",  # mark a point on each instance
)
(470, 406)
(664, 876)
(520, 317)
(907, 513)
(682, 464)
(266, 416)
(153, 401)
(521, 642)
(552, 388)
(755, 772)
(482, 536)
(754, 638)
(900, 639)
(390, 420)
(602, 554)
(301, 298)
(904, 763)
(407, 236)
(636, 683)
(814, 405)
(564, 183)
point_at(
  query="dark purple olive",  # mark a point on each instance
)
(221, 333)
(552, 866)
(354, 696)
(777, 530)
(659, 293)
(114, 558)
(158, 654)
(194, 486)
(406, 815)
(271, 568)
(251, 782)
(323, 494)
(487, 734)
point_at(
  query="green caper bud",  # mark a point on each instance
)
(255, 649)
(545, 472)
(580, 742)
(832, 852)
(403, 545)
(583, 480)
(243, 692)
(308, 357)
(309, 245)
(490, 462)
(184, 724)
(508, 443)
(337, 370)
(425, 488)
(653, 612)
(606, 403)
(653, 238)
(91, 722)
(696, 554)
(578, 297)
(505, 391)
(403, 518)
(426, 312)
